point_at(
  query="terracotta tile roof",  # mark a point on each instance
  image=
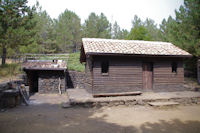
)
(111, 46)
(44, 65)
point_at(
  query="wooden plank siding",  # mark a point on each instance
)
(165, 79)
(125, 74)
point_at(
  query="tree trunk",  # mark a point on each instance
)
(74, 47)
(4, 56)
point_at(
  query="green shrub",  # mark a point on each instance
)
(74, 62)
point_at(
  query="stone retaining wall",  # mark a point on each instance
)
(77, 80)
(9, 95)
(10, 98)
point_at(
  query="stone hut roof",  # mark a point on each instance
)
(44, 65)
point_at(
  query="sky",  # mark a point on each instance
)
(122, 11)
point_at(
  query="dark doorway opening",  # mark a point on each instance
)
(69, 81)
(33, 81)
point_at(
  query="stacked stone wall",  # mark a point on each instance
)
(78, 80)
(49, 82)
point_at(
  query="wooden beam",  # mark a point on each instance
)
(117, 94)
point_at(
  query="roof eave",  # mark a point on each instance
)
(138, 55)
(51, 69)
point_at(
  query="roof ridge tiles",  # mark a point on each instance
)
(123, 41)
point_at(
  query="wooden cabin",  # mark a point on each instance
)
(121, 66)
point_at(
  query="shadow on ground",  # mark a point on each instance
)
(173, 126)
(53, 118)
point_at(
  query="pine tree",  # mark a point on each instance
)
(68, 28)
(16, 24)
(184, 30)
(139, 31)
(97, 26)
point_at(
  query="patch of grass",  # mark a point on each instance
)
(74, 62)
(47, 57)
(9, 70)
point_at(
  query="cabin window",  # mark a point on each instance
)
(104, 67)
(174, 67)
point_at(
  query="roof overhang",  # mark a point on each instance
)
(139, 55)
(44, 69)
(83, 55)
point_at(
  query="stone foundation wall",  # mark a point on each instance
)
(48, 82)
(134, 102)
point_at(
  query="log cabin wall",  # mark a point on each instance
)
(125, 74)
(163, 77)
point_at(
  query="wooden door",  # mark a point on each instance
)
(147, 76)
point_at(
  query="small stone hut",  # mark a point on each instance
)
(120, 66)
(46, 76)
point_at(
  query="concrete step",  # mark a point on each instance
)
(159, 104)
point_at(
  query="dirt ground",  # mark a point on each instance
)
(49, 116)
